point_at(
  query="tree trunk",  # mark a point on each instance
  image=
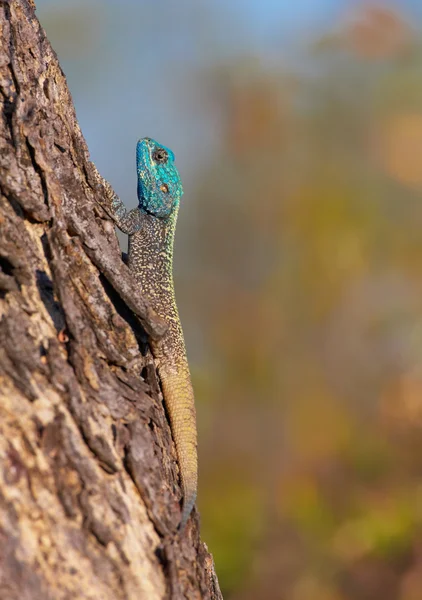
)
(89, 493)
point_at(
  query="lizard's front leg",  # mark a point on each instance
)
(128, 221)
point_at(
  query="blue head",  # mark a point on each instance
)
(159, 184)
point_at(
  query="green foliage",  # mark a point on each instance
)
(234, 516)
(314, 319)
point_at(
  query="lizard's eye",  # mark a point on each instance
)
(164, 188)
(160, 155)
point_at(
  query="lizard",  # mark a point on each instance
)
(151, 229)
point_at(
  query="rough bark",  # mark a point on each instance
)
(89, 493)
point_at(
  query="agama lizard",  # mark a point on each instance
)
(151, 228)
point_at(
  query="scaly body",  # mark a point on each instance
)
(151, 228)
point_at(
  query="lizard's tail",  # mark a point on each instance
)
(179, 400)
(189, 497)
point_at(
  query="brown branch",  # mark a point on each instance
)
(89, 494)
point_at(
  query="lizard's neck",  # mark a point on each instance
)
(151, 261)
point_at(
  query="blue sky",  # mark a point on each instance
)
(139, 68)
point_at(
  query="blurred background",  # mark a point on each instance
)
(297, 128)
